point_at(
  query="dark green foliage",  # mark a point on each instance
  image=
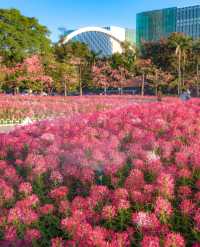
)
(123, 174)
(149, 177)
(121, 222)
(49, 226)
(41, 187)
(78, 189)
(21, 36)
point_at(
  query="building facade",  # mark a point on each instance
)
(103, 41)
(188, 21)
(156, 24)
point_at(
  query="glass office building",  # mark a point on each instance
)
(153, 25)
(188, 21)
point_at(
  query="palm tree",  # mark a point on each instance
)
(93, 57)
(182, 45)
(129, 55)
(196, 54)
(144, 67)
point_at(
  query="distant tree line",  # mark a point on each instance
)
(30, 61)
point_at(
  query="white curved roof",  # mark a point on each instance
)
(90, 29)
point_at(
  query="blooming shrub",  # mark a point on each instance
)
(128, 176)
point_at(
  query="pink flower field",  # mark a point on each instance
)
(37, 107)
(119, 173)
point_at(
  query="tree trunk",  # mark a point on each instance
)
(179, 73)
(142, 89)
(65, 88)
(105, 91)
(183, 71)
(156, 91)
(197, 88)
(80, 81)
(156, 83)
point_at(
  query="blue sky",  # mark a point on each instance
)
(77, 13)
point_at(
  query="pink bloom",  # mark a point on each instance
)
(181, 159)
(64, 207)
(165, 183)
(83, 233)
(48, 138)
(25, 188)
(29, 202)
(3, 165)
(146, 221)
(184, 192)
(108, 212)
(56, 176)
(120, 240)
(150, 241)
(47, 209)
(80, 203)
(32, 234)
(197, 197)
(23, 215)
(184, 173)
(135, 180)
(119, 194)
(174, 240)
(6, 192)
(187, 207)
(57, 242)
(37, 163)
(137, 197)
(99, 193)
(198, 184)
(71, 224)
(123, 204)
(139, 164)
(163, 207)
(97, 237)
(196, 245)
(69, 243)
(87, 175)
(10, 234)
(59, 193)
(197, 220)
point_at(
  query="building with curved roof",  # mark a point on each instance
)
(103, 41)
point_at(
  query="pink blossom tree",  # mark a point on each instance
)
(29, 74)
(104, 76)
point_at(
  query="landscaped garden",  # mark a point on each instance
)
(115, 173)
(97, 171)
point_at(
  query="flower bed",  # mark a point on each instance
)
(16, 108)
(20, 107)
(124, 177)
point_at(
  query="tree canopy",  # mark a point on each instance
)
(21, 36)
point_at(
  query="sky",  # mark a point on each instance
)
(73, 14)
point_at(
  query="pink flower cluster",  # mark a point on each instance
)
(128, 176)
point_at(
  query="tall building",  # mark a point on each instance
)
(103, 41)
(188, 21)
(156, 24)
